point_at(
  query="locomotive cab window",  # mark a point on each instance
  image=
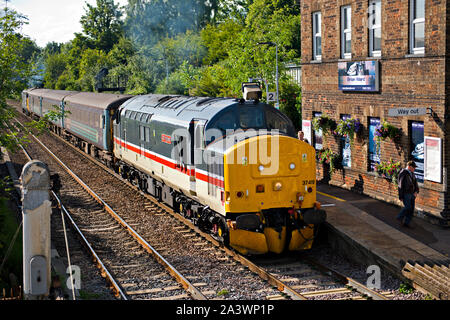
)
(251, 117)
(276, 121)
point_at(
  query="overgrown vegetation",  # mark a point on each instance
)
(190, 47)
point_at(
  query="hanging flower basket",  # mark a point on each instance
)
(348, 128)
(328, 157)
(324, 123)
(389, 169)
(386, 130)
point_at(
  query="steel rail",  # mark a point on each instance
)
(104, 271)
(282, 287)
(347, 281)
(196, 294)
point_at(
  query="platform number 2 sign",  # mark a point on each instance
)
(271, 96)
(374, 279)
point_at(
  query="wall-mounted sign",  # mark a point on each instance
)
(359, 76)
(307, 130)
(404, 112)
(433, 156)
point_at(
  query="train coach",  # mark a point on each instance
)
(87, 120)
(232, 166)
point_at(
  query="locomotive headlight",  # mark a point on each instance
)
(292, 166)
(261, 168)
(277, 186)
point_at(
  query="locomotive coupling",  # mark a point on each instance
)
(314, 216)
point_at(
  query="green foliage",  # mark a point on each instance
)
(324, 123)
(102, 24)
(389, 169)
(330, 158)
(8, 227)
(405, 288)
(205, 48)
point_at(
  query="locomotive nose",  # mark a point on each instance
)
(271, 177)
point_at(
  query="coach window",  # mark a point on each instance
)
(417, 26)
(375, 28)
(374, 152)
(317, 35)
(346, 32)
(147, 134)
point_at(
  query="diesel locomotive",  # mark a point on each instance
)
(232, 166)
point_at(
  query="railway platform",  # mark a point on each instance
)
(367, 231)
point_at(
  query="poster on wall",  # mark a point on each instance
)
(318, 134)
(432, 159)
(358, 76)
(374, 153)
(346, 148)
(417, 148)
(307, 130)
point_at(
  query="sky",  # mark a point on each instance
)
(52, 20)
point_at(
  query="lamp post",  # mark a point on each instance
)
(276, 70)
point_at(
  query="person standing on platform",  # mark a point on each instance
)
(407, 192)
(301, 136)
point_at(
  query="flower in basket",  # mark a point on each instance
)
(326, 156)
(389, 169)
(348, 128)
(324, 123)
(386, 130)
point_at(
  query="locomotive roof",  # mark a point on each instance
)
(97, 100)
(220, 146)
(178, 107)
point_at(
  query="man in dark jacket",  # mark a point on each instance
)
(407, 192)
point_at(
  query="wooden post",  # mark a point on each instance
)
(36, 211)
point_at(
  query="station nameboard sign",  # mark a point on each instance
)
(359, 76)
(403, 112)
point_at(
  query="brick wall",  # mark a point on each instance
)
(405, 81)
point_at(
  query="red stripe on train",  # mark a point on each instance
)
(172, 165)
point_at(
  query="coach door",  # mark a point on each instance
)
(197, 131)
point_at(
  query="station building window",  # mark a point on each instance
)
(345, 146)
(417, 26)
(374, 152)
(317, 35)
(346, 32)
(375, 28)
(416, 134)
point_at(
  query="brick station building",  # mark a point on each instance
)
(377, 61)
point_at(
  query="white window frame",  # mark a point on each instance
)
(374, 25)
(412, 23)
(317, 24)
(346, 31)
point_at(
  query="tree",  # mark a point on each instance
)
(13, 70)
(14, 76)
(102, 24)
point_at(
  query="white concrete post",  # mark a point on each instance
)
(36, 211)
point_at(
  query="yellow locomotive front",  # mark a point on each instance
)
(270, 194)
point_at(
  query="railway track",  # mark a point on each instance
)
(290, 280)
(106, 234)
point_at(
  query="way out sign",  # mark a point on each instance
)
(404, 112)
